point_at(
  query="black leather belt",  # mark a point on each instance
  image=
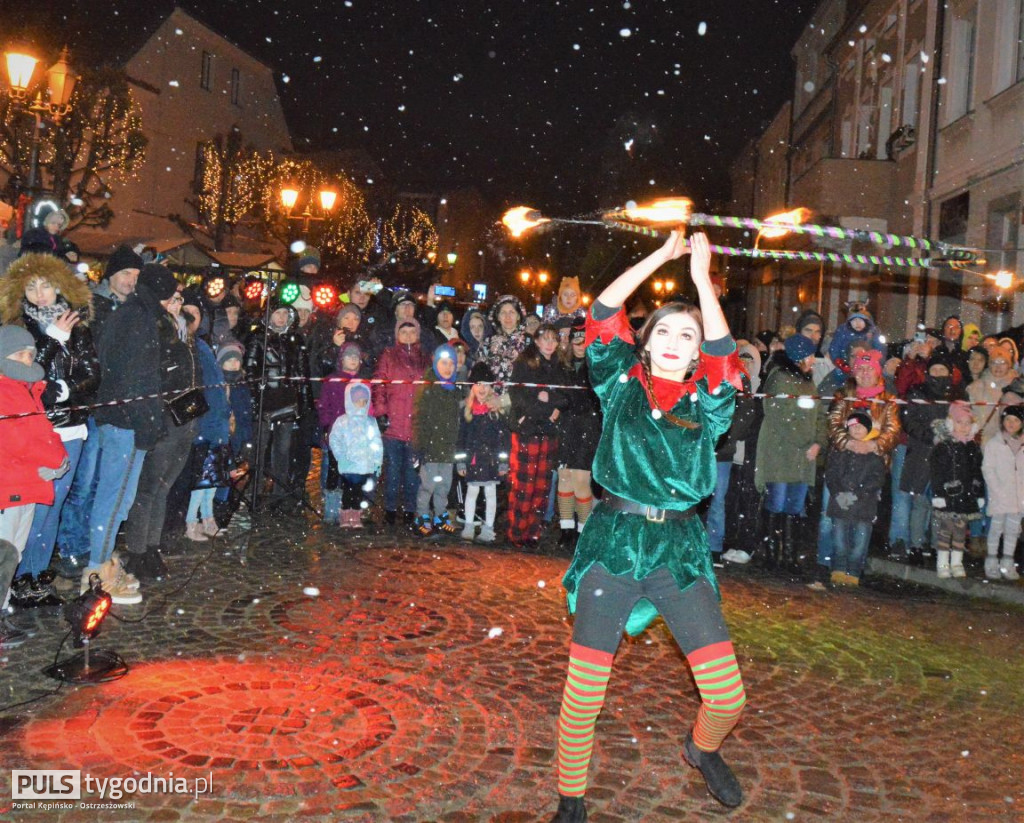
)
(652, 513)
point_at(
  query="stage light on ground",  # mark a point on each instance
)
(87, 611)
(85, 614)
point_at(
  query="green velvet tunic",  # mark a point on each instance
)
(644, 458)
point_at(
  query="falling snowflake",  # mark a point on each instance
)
(625, 32)
(495, 632)
(702, 29)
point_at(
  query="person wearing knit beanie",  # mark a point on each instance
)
(445, 362)
(862, 417)
(304, 306)
(18, 355)
(799, 348)
(960, 411)
(230, 358)
(309, 262)
(124, 258)
(810, 324)
(343, 315)
(158, 281)
(870, 358)
(230, 351)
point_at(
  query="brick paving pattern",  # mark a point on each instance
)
(422, 683)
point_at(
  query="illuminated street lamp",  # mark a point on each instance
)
(290, 196)
(60, 86)
(1003, 281)
(534, 282)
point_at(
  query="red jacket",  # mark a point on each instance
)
(400, 362)
(26, 445)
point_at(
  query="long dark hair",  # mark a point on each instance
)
(531, 354)
(642, 338)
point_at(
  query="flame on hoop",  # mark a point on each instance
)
(674, 210)
(521, 219)
(1003, 279)
(785, 221)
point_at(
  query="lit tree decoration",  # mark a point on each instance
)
(231, 184)
(408, 231)
(99, 145)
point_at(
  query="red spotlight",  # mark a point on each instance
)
(254, 289)
(324, 296)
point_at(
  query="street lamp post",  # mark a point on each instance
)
(290, 196)
(60, 85)
(535, 283)
(1003, 280)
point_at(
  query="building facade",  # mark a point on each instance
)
(907, 118)
(191, 84)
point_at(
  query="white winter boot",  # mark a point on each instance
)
(956, 564)
(1007, 568)
(992, 567)
(942, 565)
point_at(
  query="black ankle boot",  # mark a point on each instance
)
(43, 590)
(567, 539)
(570, 810)
(720, 780)
(772, 541)
(790, 550)
(155, 562)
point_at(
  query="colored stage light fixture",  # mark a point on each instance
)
(216, 286)
(86, 614)
(254, 289)
(289, 293)
(325, 296)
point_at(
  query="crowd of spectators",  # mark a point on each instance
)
(133, 410)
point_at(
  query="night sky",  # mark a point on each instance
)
(568, 105)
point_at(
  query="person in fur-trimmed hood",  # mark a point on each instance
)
(42, 295)
(958, 487)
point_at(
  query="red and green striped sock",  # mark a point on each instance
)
(585, 686)
(721, 692)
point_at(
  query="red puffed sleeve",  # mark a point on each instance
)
(616, 326)
(718, 369)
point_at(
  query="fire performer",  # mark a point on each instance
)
(666, 399)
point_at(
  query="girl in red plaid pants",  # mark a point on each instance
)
(534, 422)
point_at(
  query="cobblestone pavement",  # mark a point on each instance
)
(421, 682)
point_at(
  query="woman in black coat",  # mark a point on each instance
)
(917, 419)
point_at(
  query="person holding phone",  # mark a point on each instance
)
(40, 293)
